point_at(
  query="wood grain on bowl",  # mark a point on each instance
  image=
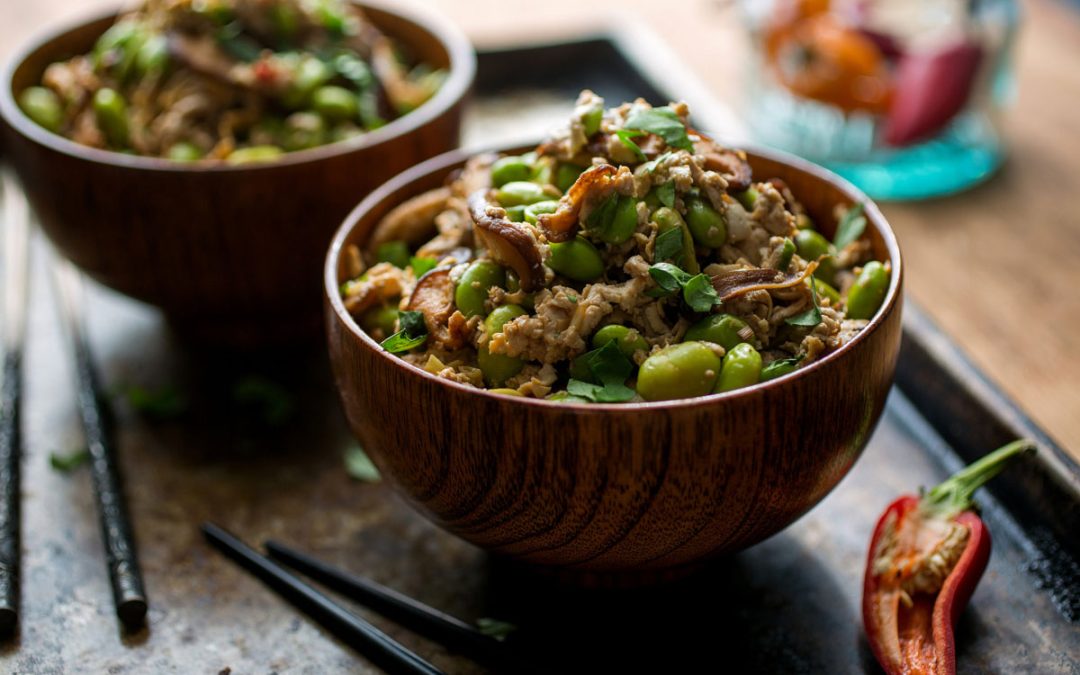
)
(616, 488)
(229, 252)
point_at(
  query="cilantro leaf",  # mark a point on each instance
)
(603, 216)
(850, 227)
(359, 466)
(421, 265)
(668, 277)
(810, 317)
(609, 365)
(669, 245)
(608, 393)
(650, 166)
(609, 368)
(699, 293)
(664, 123)
(666, 193)
(413, 333)
(624, 137)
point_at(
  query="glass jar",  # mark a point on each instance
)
(901, 97)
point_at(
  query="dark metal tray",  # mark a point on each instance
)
(788, 605)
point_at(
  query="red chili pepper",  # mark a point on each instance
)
(925, 559)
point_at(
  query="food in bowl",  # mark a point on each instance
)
(233, 80)
(627, 258)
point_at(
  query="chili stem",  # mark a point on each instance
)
(953, 496)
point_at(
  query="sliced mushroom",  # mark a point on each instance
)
(511, 244)
(591, 187)
(204, 55)
(731, 164)
(434, 297)
(741, 282)
(384, 282)
(413, 221)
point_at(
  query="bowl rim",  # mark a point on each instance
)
(462, 68)
(447, 160)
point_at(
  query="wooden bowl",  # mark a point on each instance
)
(228, 252)
(634, 488)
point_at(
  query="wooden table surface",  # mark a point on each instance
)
(997, 267)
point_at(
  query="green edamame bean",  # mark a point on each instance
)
(706, 224)
(591, 120)
(303, 130)
(679, 371)
(566, 175)
(510, 169)
(498, 368)
(543, 171)
(256, 153)
(748, 198)
(516, 214)
(667, 218)
(506, 392)
(472, 290)
(721, 329)
(394, 252)
(110, 111)
(867, 293)
(43, 107)
(521, 193)
(777, 369)
(534, 210)
(824, 290)
(343, 131)
(383, 317)
(184, 152)
(626, 339)
(335, 103)
(742, 367)
(623, 222)
(577, 259)
(813, 246)
(309, 75)
(153, 56)
(786, 254)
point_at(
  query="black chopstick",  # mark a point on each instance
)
(377, 646)
(412, 614)
(16, 215)
(120, 556)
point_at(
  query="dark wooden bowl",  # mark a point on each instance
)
(616, 488)
(228, 252)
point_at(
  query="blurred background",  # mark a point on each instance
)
(995, 265)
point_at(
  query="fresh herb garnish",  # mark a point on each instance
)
(699, 294)
(421, 265)
(610, 367)
(494, 628)
(160, 404)
(272, 402)
(69, 462)
(359, 466)
(669, 245)
(650, 166)
(668, 277)
(666, 194)
(413, 333)
(850, 227)
(810, 317)
(624, 137)
(664, 123)
(602, 217)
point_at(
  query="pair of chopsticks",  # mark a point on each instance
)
(125, 576)
(377, 646)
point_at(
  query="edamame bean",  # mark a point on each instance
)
(543, 171)
(184, 152)
(394, 252)
(742, 367)
(824, 290)
(43, 107)
(721, 329)
(534, 210)
(867, 293)
(153, 56)
(335, 103)
(310, 74)
(591, 120)
(472, 290)
(778, 368)
(576, 259)
(110, 111)
(679, 371)
(667, 218)
(786, 254)
(506, 392)
(706, 224)
(813, 246)
(521, 193)
(498, 368)
(626, 339)
(623, 222)
(383, 317)
(748, 198)
(510, 169)
(256, 153)
(566, 175)
(303, 130)
(516, 214)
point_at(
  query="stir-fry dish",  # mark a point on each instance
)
(234, 80)
(628, 257)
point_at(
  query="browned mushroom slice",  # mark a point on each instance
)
(731, 164)
(205, 56)
(509, 243)
(384, 282)
(592, 186)
(412, 221)
(433, 296)
(741, 282)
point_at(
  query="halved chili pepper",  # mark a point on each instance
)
(926, 557)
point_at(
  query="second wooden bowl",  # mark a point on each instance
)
(231, 253)
(616, 488)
